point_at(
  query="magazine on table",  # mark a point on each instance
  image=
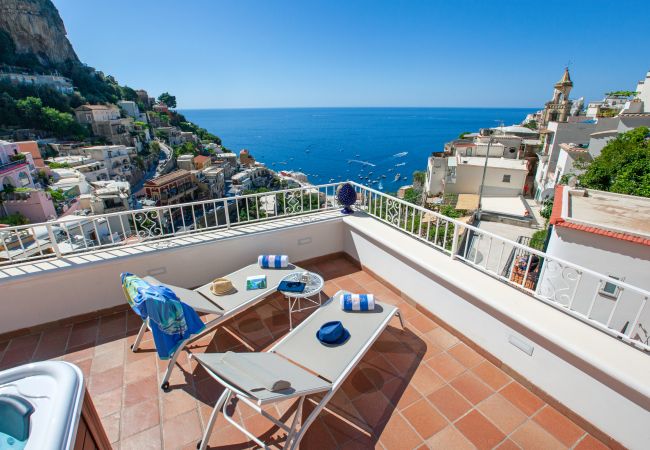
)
(292, 286)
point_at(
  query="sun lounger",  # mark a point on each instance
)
(202, 300)
(298, 359)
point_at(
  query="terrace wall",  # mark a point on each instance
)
(91, 283)
(574, 366)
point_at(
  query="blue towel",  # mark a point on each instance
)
(358, 302)
(273, 261)
(171, 321)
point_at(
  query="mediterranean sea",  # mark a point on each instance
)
(348, 143)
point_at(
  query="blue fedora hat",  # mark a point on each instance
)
(332, 333)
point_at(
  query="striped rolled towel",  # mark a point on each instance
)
(273, 261)
(357, 302)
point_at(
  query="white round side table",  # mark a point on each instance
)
(310, 298)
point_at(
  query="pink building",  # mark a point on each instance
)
(15, 167)
(36, 205)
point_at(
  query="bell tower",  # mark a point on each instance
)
(558, 109)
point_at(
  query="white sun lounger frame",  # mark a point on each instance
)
(295, 430)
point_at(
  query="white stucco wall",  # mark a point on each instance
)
(86, 286)
(563, 132)
(468, 181)
(643, 89)
(577, 133)
(435, 176)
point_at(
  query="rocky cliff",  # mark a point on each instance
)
(36, 28)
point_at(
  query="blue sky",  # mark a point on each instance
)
(280, 53)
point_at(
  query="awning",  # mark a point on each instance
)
(467, 201)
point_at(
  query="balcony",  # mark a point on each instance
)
(11, 165)
(486, 359)
(420, 386)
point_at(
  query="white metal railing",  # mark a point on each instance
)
(613, 306)
(75, 234)
(610, 305)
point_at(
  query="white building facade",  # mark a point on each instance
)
(607, 233)
(463, 175)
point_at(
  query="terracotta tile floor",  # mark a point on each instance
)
(416, 388)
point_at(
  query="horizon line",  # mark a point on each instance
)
(358, 107)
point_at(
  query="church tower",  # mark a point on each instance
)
(559, 108)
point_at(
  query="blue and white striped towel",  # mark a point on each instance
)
(273, 261)
(357, 302)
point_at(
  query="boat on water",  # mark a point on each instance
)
(383, 176)
(404, 177)
(390, 170)
(400, 164)
(400, 154)
(397, 175)
(380, 185)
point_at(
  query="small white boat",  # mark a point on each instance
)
(401, 154)
(380, 185)
(400, 164)
(397, 175)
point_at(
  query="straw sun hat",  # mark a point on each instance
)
(222, 286)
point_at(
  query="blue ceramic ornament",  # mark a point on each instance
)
(347, 196)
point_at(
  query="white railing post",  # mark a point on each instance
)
(55, 244)
(454, 242)
(226, 212)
